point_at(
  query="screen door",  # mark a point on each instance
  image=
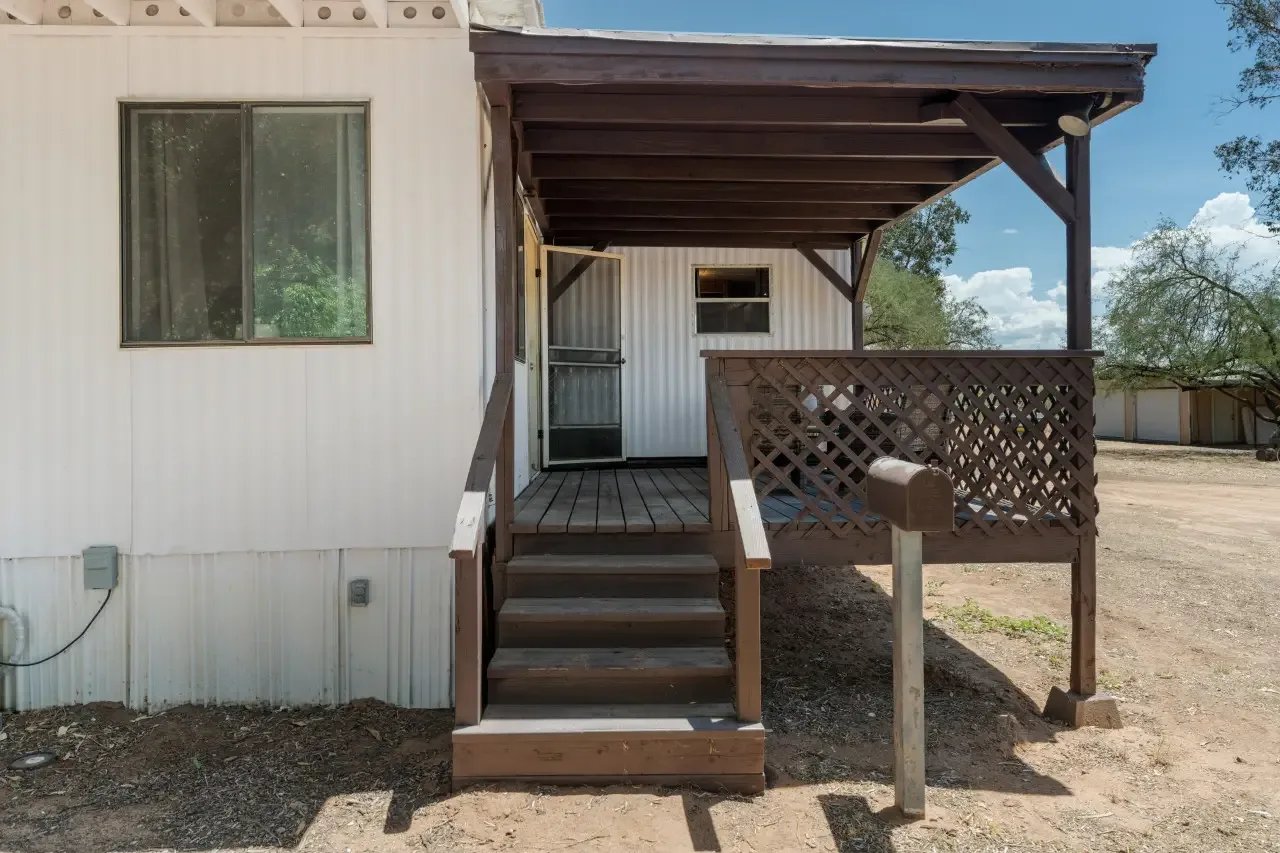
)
(582, 335)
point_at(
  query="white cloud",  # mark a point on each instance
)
(1018, 318)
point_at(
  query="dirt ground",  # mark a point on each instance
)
(1189, 638)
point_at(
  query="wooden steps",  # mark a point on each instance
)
(611, 668)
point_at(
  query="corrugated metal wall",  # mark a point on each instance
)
(244, 484)
(663, 384)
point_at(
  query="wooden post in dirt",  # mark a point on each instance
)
(914, 499)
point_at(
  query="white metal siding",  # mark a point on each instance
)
(1157, 416)
(1108, 412)
(244, 485)
(663, 382)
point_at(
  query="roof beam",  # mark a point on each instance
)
(1025, 163)
(708, 239)
(724, 209)
(747, 191)
(204, 11)
(834, 110)
(115, 11)
(26, 11)
(828, 272)
(290, 10)
(522, 58)
(619, 224)
(745, 169)
(757, 143)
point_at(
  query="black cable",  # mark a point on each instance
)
(101, 607)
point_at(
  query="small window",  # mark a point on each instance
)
(731, 300)
(245, 222)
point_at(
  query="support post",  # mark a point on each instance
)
(505, 276)
(746, 621)
(1079, 247)
(859, 314)
(468, 644)
(1081, 705)
(908, 671)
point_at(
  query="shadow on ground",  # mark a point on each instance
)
(211, 778)
(828, 681)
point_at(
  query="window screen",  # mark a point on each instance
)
(731, 300)
(245, 222)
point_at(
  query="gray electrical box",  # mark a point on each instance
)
(101, 567)
(358, 592)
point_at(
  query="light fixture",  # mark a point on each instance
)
(1075, 122)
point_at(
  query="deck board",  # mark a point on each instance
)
(635, 512)
(669, 500)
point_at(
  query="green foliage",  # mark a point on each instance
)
(301, 297)
(910, 311)
(972, 618)
(1190, 312)
(1255, 26)
(925, 242)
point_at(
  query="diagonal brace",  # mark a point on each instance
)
(829, 272)
(1007, 147)
(576, 272)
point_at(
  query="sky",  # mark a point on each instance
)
(1154, 161)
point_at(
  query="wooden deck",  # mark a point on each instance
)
(621, 500)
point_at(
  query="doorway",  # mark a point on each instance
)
(582, 355)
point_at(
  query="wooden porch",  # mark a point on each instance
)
(593, 643)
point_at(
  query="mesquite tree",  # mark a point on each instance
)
(1255, 27)
(1188, 311)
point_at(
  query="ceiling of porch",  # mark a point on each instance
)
(655, 139)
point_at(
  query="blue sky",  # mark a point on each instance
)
(1155, 160)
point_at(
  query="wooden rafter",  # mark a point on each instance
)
(828, 272)
(756, 143)
(1024, 163)
(722, 209)
(773, 240)
(829, 110)
(619, 224)
(26, 11)
(547, 166)
(615, 191)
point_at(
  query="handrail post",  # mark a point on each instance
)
(717, 477)
(913, 499)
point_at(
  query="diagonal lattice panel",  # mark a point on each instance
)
(1014, 432)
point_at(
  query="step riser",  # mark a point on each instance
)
(571, 689)
(618, 756)
(551, 585)
(568, 634)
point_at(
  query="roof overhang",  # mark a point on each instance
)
(673, 139)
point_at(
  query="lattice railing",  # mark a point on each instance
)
(1013, 430)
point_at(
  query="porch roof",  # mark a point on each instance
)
(629, 138)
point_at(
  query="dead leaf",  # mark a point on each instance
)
(299, 723)
(377, 735)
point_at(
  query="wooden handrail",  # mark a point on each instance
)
(468, 529)
(742, 491)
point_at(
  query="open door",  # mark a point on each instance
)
(582, 356)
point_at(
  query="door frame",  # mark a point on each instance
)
(544, 390)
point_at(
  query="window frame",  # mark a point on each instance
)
(697, 300)
(245, 108)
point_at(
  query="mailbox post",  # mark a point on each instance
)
(915, 500)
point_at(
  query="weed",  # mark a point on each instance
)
(972, 618)
(933, 588)
(1112, 682)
